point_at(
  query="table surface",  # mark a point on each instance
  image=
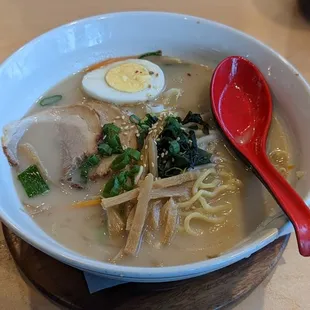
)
(276, 23)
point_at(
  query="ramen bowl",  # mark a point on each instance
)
(61, 52)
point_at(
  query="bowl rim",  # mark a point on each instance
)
(168, 273)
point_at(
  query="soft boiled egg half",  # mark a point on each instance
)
(128, 81)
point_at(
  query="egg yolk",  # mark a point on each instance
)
(128, 77)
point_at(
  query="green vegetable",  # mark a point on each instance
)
(124, 181)
(144, 127)
(156, 53)
(134, 170)
(121, 161)
(111, 129)
(104, 149)
(33, 182)
(89, 163)
(50, 100)
(134, 119)
(111, 188)
(174, 147)
(133, 154)
(178, 148)
(111, 138)
(196, 118)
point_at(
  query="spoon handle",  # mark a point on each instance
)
(287, 198)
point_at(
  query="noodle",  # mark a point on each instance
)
(203, 189)
(198, 215)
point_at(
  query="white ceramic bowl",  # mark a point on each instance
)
(48, 59)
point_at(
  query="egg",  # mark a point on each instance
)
(128, 81)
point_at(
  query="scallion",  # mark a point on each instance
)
(32, 182)
(120, 162)
(50, 100)
(87, 165)
(104, 149)
(134, 119)
(155, 53)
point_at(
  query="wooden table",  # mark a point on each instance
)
(275, 22)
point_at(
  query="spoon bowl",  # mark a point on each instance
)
(242, 105)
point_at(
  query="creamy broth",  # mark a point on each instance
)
(85, 229)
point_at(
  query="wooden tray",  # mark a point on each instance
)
(221, 289)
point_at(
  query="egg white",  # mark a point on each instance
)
(95, 85)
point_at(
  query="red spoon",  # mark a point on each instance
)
(242, 106)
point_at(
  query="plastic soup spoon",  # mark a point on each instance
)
(242, 106)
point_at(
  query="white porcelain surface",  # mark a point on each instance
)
(53, 56)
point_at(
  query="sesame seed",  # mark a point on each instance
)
(144, 165)
(125, 133)
(117, 117)
(132, 126)
(146, 146)
(126, 127)
(153, 165)
(138, 135)
(124, 123)
(166, 153)
(123, 117)
(162, 155)
(178, 138)
(142, 157)
(172, 159)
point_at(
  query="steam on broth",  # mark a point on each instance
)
(142, 177)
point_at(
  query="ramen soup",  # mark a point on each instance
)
(122, 163)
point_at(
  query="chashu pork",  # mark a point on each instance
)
(110, 113)
(77, 128)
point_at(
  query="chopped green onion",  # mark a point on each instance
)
(174, 147)
(111, 128)
(111, 188)
(33, 182)
(134, 119)
(111, 138)
(150, 120)
(122, 182)
(133, 154)
(87, 165)
(104, 149)
(144, 127)
(50, 100)
(115, 143)
(120, 162)
(156, 53)
(134, 170)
